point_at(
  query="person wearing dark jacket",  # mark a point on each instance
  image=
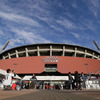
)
(70, 80)
(33, 81)
(76, 79)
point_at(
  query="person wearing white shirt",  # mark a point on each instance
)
(8, 78)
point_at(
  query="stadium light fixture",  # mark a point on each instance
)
(96, 45)
(87, 70)
(4, 46)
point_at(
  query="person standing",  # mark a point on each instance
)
(33, 82)
(83, 81)
(70, 80)
(77, 79)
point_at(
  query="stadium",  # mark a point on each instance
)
(50, 59)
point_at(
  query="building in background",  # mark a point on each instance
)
(50, 59)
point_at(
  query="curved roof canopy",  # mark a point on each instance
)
(50, 49)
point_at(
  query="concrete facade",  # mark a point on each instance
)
(27, 65)
(33, 58)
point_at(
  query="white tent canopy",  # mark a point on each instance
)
(27, 77)
(17, 77)
(42, 78)
(3, 72)
(53, 78)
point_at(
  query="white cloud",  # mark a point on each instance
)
(66, 23)
(95, 3)
(1, 32)
(29, 19)
(70, 42)
(94, 6)
(69, 15)
(59, 4)
(57, 28)
(51, 23)
(18, 18)
(88, 24)
(74, 5)
(76, 35)
(29, 37)
(14, 41)
(94, 11)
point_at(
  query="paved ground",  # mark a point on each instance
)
(7, 93)
(52, 95)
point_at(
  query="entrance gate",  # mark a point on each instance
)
(50, 67)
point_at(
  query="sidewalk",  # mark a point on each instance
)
(50, 95)
(7, 93)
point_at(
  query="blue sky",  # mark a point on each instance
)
(49, 21)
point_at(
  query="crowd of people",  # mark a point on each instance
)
(77, 82)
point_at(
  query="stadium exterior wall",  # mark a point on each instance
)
(36, 64)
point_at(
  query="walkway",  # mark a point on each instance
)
(57, 95)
